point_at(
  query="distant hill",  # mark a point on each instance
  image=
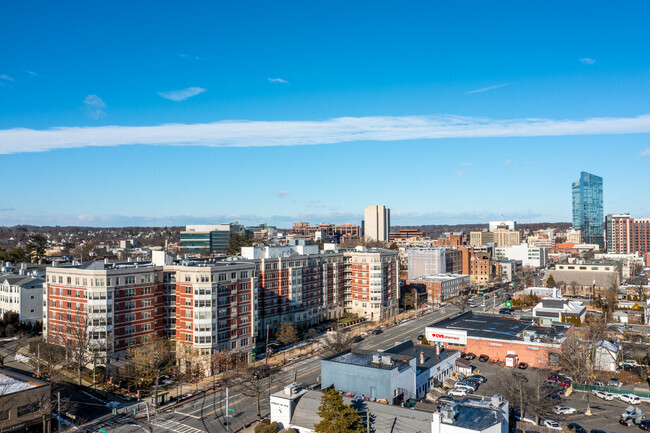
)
(435, 230)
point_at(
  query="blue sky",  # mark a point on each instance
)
(123, 113)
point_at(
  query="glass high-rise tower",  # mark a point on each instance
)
(588, 208)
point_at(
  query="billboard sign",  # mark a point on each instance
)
(442, 335)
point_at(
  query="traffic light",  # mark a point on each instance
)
(230, 410)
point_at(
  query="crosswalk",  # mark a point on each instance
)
(174, 426)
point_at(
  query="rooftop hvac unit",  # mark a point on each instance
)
(376, 359)
(448, 414)
(497, 400)
(388, 360)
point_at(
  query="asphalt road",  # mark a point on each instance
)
(207, 414)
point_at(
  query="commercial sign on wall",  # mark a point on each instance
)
(442, 335)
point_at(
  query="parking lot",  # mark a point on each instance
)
(604, 416)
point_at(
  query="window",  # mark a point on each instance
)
(129, 280)
(27, 409)
(4, 415)
(188, 337)
(146, 290)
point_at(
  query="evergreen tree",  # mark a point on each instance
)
(336, 417)
(550, 282)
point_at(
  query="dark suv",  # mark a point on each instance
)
(484, 358)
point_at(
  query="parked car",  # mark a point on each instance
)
(552, 424)
(484, 358)
(420, 337)
(614, 382)
(464, 384)
(604, 395)
(522, 365)
(521, 377)
(593, 430)
(446, 399)
(564, 410)
(553, 397)
(561, 380)
(478, 377)
(357, 339)
(645, 424)
(505, 311)
(631, 415)
(377, 332)
(577, 427)
(457, 392)
(469, 356)
(629, 398)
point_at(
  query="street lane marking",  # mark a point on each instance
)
(176, 426)
(247, 398)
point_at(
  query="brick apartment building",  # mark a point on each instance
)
(405, 234)
(214, 304)
(440, 288)
(626, 235)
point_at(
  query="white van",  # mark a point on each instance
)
(630, 398)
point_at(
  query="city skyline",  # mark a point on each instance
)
(249, 114)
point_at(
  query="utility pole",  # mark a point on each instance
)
(146, 406)
(266, 348)
(367, 419)
(58, 412)
(227, 407)
(94, 369)
(38, 360)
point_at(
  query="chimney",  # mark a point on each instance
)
(421, 357)
(438, 349)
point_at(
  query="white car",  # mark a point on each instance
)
(465, 389)
(457, 392)
(564, 410)
(604, 395)
(630, 398)
(552, 424)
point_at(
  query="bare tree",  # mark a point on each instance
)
(577, 359)
(254, 380)
(79, 342)
(337, 341)
(152, 360)
(460, 302)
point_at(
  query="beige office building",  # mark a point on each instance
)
(376, 223)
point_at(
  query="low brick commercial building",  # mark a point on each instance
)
(24, 403)
(498, 337)
(439, 288)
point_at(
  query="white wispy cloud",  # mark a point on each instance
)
(234, 133)
(6, 77)
(460, 173)
(189, 56)
(587, 61)
(645, 152)
(182, 94)
(486, 89)
(95, 106)
(467, 164)
(32, 73)
(281, 194)
(507, 161)
(277, 80)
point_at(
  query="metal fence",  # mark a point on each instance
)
(612, 389)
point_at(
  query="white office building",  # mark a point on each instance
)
(376, 223)
(530, 256)
(510, 225)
